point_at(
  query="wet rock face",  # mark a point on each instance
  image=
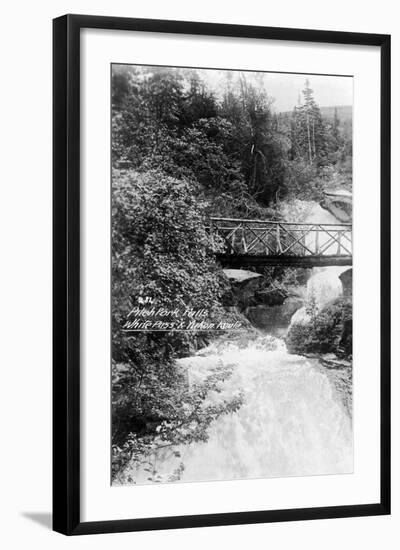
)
(267, 317)
(245, 292)
(339, 204)
(347, 282)
(340, 210)
(263, 306)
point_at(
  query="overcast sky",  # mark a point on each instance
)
(285, 88)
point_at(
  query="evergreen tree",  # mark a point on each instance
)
(256, 142)
(335, 140)
(308, 130)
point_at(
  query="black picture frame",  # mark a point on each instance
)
(66, 272)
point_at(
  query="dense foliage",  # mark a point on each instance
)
(243, 155)
(160, 251)
(325, 331)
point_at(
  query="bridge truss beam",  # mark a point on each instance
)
(242, 261)
(269, 243)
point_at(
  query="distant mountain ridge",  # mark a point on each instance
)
(344, 112)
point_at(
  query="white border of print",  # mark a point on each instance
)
(100, 501)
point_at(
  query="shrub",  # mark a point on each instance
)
(161, 250)
(327, 331)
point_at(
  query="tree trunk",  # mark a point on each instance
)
(313, 135)
(309, 139)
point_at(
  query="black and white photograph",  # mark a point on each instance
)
(231, 260)
(197, 241)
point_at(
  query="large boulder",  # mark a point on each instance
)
(339, 203)
(278, 316)
(347, 282)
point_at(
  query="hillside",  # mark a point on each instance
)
(345, 112)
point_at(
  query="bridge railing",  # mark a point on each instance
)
(275, 238)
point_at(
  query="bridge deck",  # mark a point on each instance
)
(238, 261)
(242, 242)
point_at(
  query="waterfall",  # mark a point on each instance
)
(292, 422)
(324, 284)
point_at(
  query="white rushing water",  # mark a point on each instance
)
(323, 286)
(293, 421)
